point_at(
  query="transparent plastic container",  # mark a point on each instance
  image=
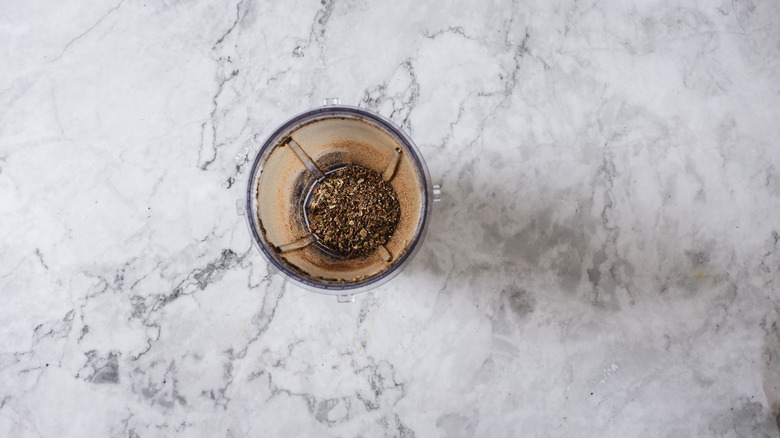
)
(295, 157)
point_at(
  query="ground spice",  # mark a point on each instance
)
(353, 210)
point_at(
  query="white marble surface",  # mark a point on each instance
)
(605, 261)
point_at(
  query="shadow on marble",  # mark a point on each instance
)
(497, 240)
(567, 244)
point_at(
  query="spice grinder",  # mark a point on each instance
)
(300, 154)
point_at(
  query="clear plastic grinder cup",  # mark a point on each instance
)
(296, 157)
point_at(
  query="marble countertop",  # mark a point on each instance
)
(605, 260)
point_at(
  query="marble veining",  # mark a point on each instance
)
(604, 261)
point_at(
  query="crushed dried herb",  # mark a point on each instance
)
(353, 210)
